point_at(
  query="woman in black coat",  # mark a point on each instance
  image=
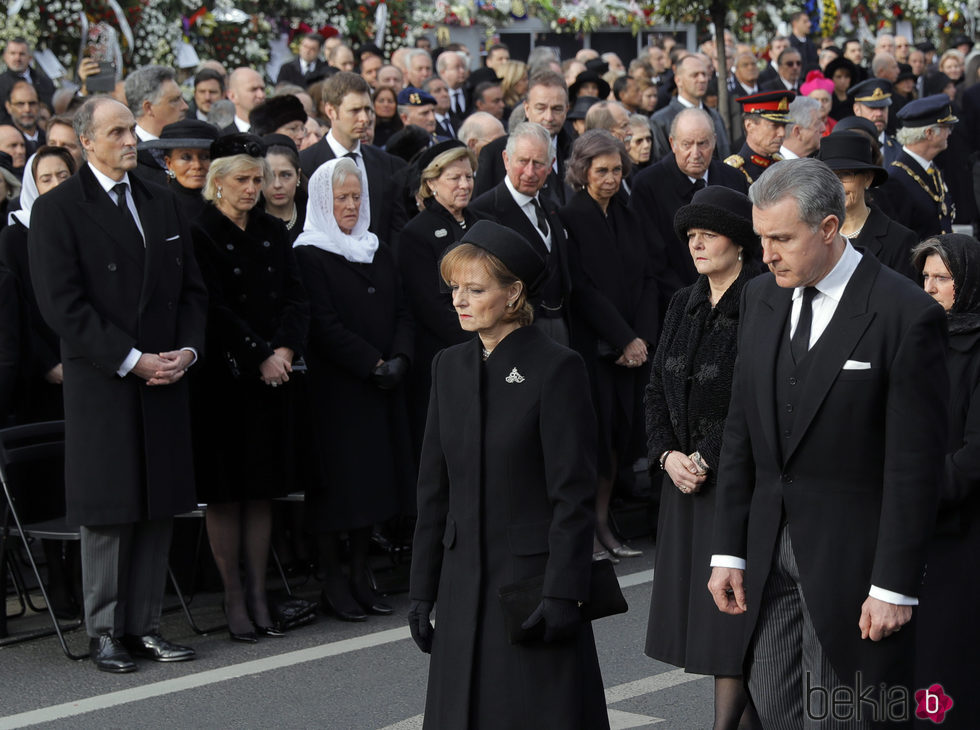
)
(686, 406)
(360, 347)
(446, 188)
(850, 156)
(258, 316)
(947, 634)
(615, 307)
(39, 396)
(506, 488)
(186, 150)
(284, 196)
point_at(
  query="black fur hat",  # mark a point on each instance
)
(721, 210)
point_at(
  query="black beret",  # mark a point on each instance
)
(721, 210)
(237, 144)
(431, 153)
(279, 140)
(276, 112)
(513, 250)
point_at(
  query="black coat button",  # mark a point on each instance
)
(179, 262)
(266, 244)
(230, 247)
(236, 271)
(789, 407)
(371, 290)
(111, 267)
(170, 306)
(793, 381)
(787, 478)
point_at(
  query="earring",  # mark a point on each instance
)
(219, 193)
(510, 304)
(739, 255)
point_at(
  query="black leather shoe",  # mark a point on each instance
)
(352, 613)
(369, 601)
(109, 655)
(157, 649)
(270, 632)
(249, 637)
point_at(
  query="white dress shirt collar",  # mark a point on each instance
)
(143, 135)
(923, 162)
(105, 181)
(524, 203)
(242, 125)
(338, 149)
(787, 154)
(830, 289)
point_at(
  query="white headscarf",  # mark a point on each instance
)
(321, 229)
(28, 194)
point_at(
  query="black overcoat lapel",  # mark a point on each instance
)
(770, 326)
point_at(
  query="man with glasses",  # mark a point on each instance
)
(23, 107)
(790, 64)
(915, 185)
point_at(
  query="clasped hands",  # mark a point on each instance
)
(276, 368)
(634, 354)
(164, 368)
(879, 619)
(686, 472)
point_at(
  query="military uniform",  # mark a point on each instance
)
(771, 105)
(750, 163)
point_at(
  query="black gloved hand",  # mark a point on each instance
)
(561, 618)
(421, 627)
(390, 373)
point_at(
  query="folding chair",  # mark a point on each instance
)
(32, 475)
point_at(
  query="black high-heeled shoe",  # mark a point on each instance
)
(344, 613)
(270, 632)
(249, 637)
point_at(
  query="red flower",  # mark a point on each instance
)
(749, 14)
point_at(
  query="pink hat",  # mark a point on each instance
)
(816, 80)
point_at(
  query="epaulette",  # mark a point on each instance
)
(735, 160)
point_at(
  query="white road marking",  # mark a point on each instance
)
(235, 671)
(649, 685)
(619, 720)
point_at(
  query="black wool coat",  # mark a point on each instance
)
(36, 399)
(243, 427)
(358, 316)
(127, 444)
(890, 242)
(506, 491)
(423, 242)
(686, 406)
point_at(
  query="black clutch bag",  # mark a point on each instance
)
(518, 601)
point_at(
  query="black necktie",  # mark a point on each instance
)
(458, 101)
(542, 218)
(352, 155)
(800, 343)
(699, 184)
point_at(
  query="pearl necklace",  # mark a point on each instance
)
(292, 219)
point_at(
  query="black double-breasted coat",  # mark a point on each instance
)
(421, 246)
(858, 477)
(616, 301)
(358, 316)
(243, 428)
(506, 491)
(889, 241)
(127, 444)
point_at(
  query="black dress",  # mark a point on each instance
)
(365, 465)
(190, 200)
(35, 399)
(243, 434)
(686, 407)
(421, 246)
(506, 492)
(615, 302)
(947, 634)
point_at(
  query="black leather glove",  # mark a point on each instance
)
(390, 373)
(561, 618)
(420, 625)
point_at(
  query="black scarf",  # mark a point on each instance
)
(963, 259)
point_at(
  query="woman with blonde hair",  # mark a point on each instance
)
(513, 82)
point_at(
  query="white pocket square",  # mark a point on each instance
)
(173, 238)
(857, 365)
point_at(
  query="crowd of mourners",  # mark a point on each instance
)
(297, 272)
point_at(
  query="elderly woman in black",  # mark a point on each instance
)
(686, 406)
(446, 187)
(360, 347)
(947, 632)
(615, 308)
(505, 493)
(258, 317)
(849, 155)
(186, 150)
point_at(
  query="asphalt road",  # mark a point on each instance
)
(327, 675)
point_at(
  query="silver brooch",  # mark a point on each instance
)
(442, 233)
(514, 377)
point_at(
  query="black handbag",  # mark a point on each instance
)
(518, 601)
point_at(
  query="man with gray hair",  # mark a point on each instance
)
(803, 130)
(155, 100)
(515, 202)
(479, 129)
(691, 75)
(611, 116)
(915, 185)
(451, 68)
(831, 464)
(418, 67)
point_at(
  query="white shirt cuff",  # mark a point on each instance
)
(891, 597)
(129, 363)
(727, 561)
(192, 351)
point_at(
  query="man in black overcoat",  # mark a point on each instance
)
(519, 203)
(663, 188)
(546, 104)
(114, 272)
(831, 461)
(17, 56)
(308, 67)
(347, 104)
